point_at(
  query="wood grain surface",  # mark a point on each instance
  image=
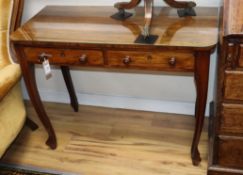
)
(233, 17)
(94, 25)
(183, 61)
(232, 119)
(232, 158)
(225, 149)
(105, 141)
(233, 89)
(66, 56)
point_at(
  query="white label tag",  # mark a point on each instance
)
(47, 69)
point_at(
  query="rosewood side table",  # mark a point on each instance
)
(88, 37)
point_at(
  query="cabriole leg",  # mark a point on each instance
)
(28, 71)
(202, 63)
(69, 84)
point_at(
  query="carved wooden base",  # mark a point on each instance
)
(151, 39)
(121, 15)
(185, 8)
(186, 12)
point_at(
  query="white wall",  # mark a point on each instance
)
(152, 92)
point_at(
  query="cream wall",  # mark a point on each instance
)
(152, 92)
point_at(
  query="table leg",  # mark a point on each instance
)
(69, 83)
(202, 63)
(30, 81)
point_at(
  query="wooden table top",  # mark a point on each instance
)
(93, 25)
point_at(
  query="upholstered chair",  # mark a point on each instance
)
(12, 109)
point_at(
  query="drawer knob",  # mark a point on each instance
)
(43, 56)
(127, 60)
(229, 57)
(83, 59)
(172, 61)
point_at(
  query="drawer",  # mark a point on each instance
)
(65, 56)
(232, 119)
(233, 85)
(230, 152)
(241, 56)
(167, 61)
(234, 57)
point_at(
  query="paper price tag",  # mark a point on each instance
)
(47, 69)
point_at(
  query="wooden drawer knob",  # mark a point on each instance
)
(83, 59)
(43, 56)
(127, 60)
(172, 61)
(229, 57)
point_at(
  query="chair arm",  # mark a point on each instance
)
(9, 76)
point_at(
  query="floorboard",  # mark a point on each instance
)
(105, 141)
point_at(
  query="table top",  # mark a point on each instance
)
(93, 25)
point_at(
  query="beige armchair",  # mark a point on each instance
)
(12, 109)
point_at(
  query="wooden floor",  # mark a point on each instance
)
(104, 141)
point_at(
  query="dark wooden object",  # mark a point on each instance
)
(185, 9)
(69, 83)
(28, 71)
(82, 36)
(226, 131)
